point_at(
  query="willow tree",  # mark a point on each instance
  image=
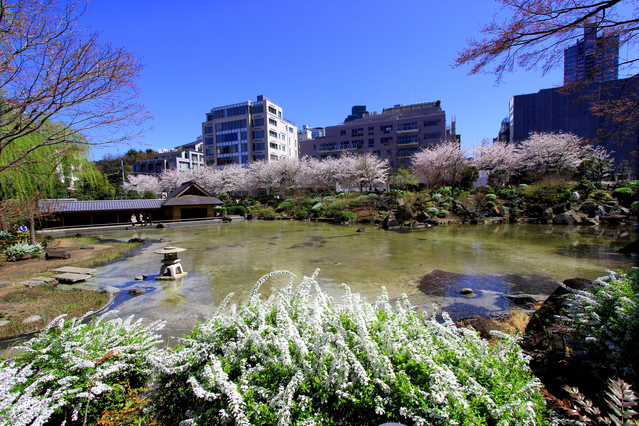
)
(42, 174)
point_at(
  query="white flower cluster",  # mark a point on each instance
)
(299, 358)
(605, 319)
(71, 362)
(23, 249)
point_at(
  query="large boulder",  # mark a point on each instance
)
(561, 208)
(464, 209)
(404, 214)
(563, 219)
(57, 254)
(421, 217)
(590, 209)
(390, 222)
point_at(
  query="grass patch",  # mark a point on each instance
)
(18, 302)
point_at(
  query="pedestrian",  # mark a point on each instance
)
(148, 218)
(133, 220)
(142, 220)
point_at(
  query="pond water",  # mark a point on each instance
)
(430, 265)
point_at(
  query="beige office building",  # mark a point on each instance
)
(248, 131)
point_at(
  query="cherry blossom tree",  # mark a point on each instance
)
(141, 183)
(362, 171)
(440, 165)
(548, 153)
(497, 157)
(320, 176)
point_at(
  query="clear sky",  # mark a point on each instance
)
(316, 59)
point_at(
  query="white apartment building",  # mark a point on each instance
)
(248, 131)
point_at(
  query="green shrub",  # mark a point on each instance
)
(605, 320)
(23, 250)
(149, 195)
(634, 207)
(298, 357)
(237, 210)
(73, 369)
(223, 211)
(260, 210)
(432, 211)
(490, 197)
(601, 195)
(338, 205)
(301, 214)
(348, 216)
(286, 205)
(446, 191)
(490, 204)
(442, 213)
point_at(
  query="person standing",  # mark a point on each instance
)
(133, 220)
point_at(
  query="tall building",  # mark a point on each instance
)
(310, 133)
(594, 63)
(592, 58)
(395, 134)
(555, 110)
(247, 132)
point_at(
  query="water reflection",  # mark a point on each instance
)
(430, 265)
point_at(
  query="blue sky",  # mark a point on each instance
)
(315, 59)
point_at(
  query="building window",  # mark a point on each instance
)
(371, 142)
(272, 133)
(259, 157)
(371, 130)
(257, 109)
(407, 139)
(290, 130)
(359, 143)
(342, 133)
(230, 125)
(279, 114)
(272, 122)
(429, 123)
(435, 135)
(209, 117)
(273, 157)
(208, 130)
(386, 140)
(357, 132)
(386, 128)
(283, 148)
(258, 122)
(403, 127)
(258, 134)
(258, 146)
(272, 110)
(283, 136)
(209, 141)
(272, 145)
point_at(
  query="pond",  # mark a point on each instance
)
(430, 265)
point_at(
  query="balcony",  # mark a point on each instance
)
(338, 147)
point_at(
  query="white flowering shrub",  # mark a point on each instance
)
(299, 358)
(23, 249)
(605, 320)
(72, 371)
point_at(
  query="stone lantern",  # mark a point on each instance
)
(171, 266)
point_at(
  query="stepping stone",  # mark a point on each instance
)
(43, 279)
(4, 322)
(31, 283)
(5, 283)
(111, 290)
(32, 318)
(136, 291)
(74, 270)
(71, 277)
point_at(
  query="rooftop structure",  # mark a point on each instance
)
(183, 157)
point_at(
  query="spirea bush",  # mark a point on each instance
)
(297, 357)
(72, 371)
(23, 249)
(605, 320)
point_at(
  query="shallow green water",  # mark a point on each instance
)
(493, 260)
